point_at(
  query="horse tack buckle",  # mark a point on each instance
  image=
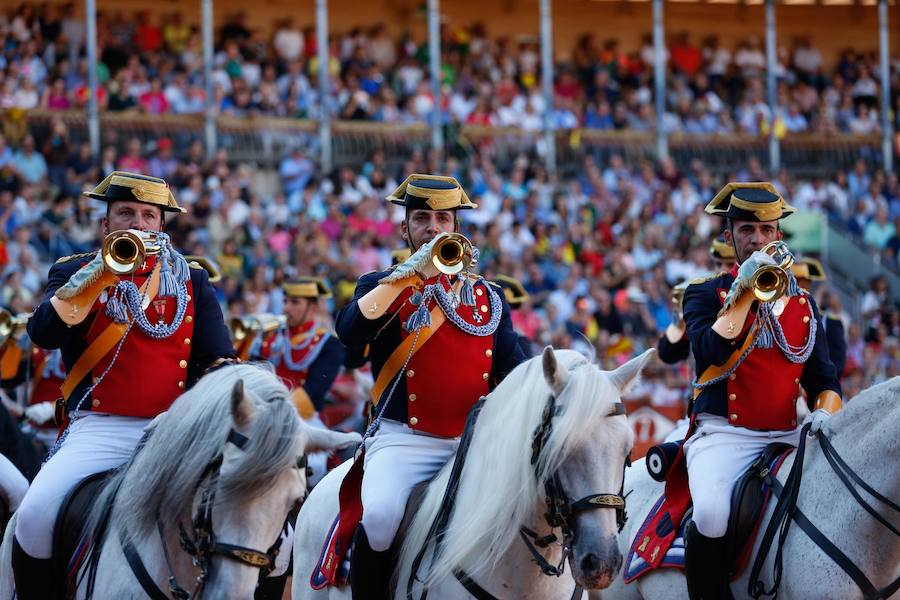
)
(250, 557)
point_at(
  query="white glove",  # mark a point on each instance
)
(745, 274)
(41, 413)
(417, 264)
(818, 418)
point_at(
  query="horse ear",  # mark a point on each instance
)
(241, 407)
(325, 440)
(555, 376)
(627, 373)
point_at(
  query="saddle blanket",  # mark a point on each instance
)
(635, 566)
(322, 576)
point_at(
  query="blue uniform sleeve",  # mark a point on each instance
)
(837, 344)
(211, 338)
(352, 328)
(701, 306)
(323, 371)
(819, 373)
(45, 328)
(671, 353)
(508, 352)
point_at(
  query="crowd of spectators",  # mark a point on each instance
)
(597, 253)
(152, 63)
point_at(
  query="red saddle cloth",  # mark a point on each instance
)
(332, 567)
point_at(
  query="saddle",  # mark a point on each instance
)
(70, 544)
(748, 502)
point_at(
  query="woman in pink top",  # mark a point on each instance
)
(55, 96)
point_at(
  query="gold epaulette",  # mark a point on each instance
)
(195, 265)
(72, 257)
(699, 280)
(496, 285)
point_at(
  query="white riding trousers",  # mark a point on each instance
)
(397, 459)
(717, 455)
(95, 443)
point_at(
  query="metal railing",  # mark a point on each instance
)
(264, 141)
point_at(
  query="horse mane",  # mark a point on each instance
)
(498, 492)
(162, 476)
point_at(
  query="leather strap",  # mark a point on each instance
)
(398, 357)
(105, 342)
(140, 571)
(870, 592)
(9, 362)
(479, 593)
(89, 359)
(714, 371)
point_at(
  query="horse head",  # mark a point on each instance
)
(269, 437)
(586, 482)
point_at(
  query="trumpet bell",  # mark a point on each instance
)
(12, 325)
(770, 282)
(125, 251)
(452, 254)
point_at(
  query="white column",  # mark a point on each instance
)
(93, 109)
(887, 129)
(547, 74)
(209, 114)
(324, 86)
(771, 86)
(434, 68)
(659, 78)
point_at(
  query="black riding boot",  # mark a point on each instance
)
(370, 571)
(705, 564)
(33, 576)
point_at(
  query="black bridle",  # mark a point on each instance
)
(201, 543)
(561, 511)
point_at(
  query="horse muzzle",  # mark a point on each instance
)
(595, 567)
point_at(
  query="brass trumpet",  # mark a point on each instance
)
(770, 282)
(452, 254)
(244, 327)
(125, 251)
(678, 300)
(12, 325)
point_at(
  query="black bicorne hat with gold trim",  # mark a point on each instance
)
(808, 268)
(431, 192)
(750, 201)
(513, 289)
(720, 250)
(134, 187)
(306, 287)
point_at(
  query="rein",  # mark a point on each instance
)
(561, 511)
(786, 511)
(201, 543)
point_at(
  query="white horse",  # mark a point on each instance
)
(585, 445)
(866, 434)
(229, 449)
(13, 486)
